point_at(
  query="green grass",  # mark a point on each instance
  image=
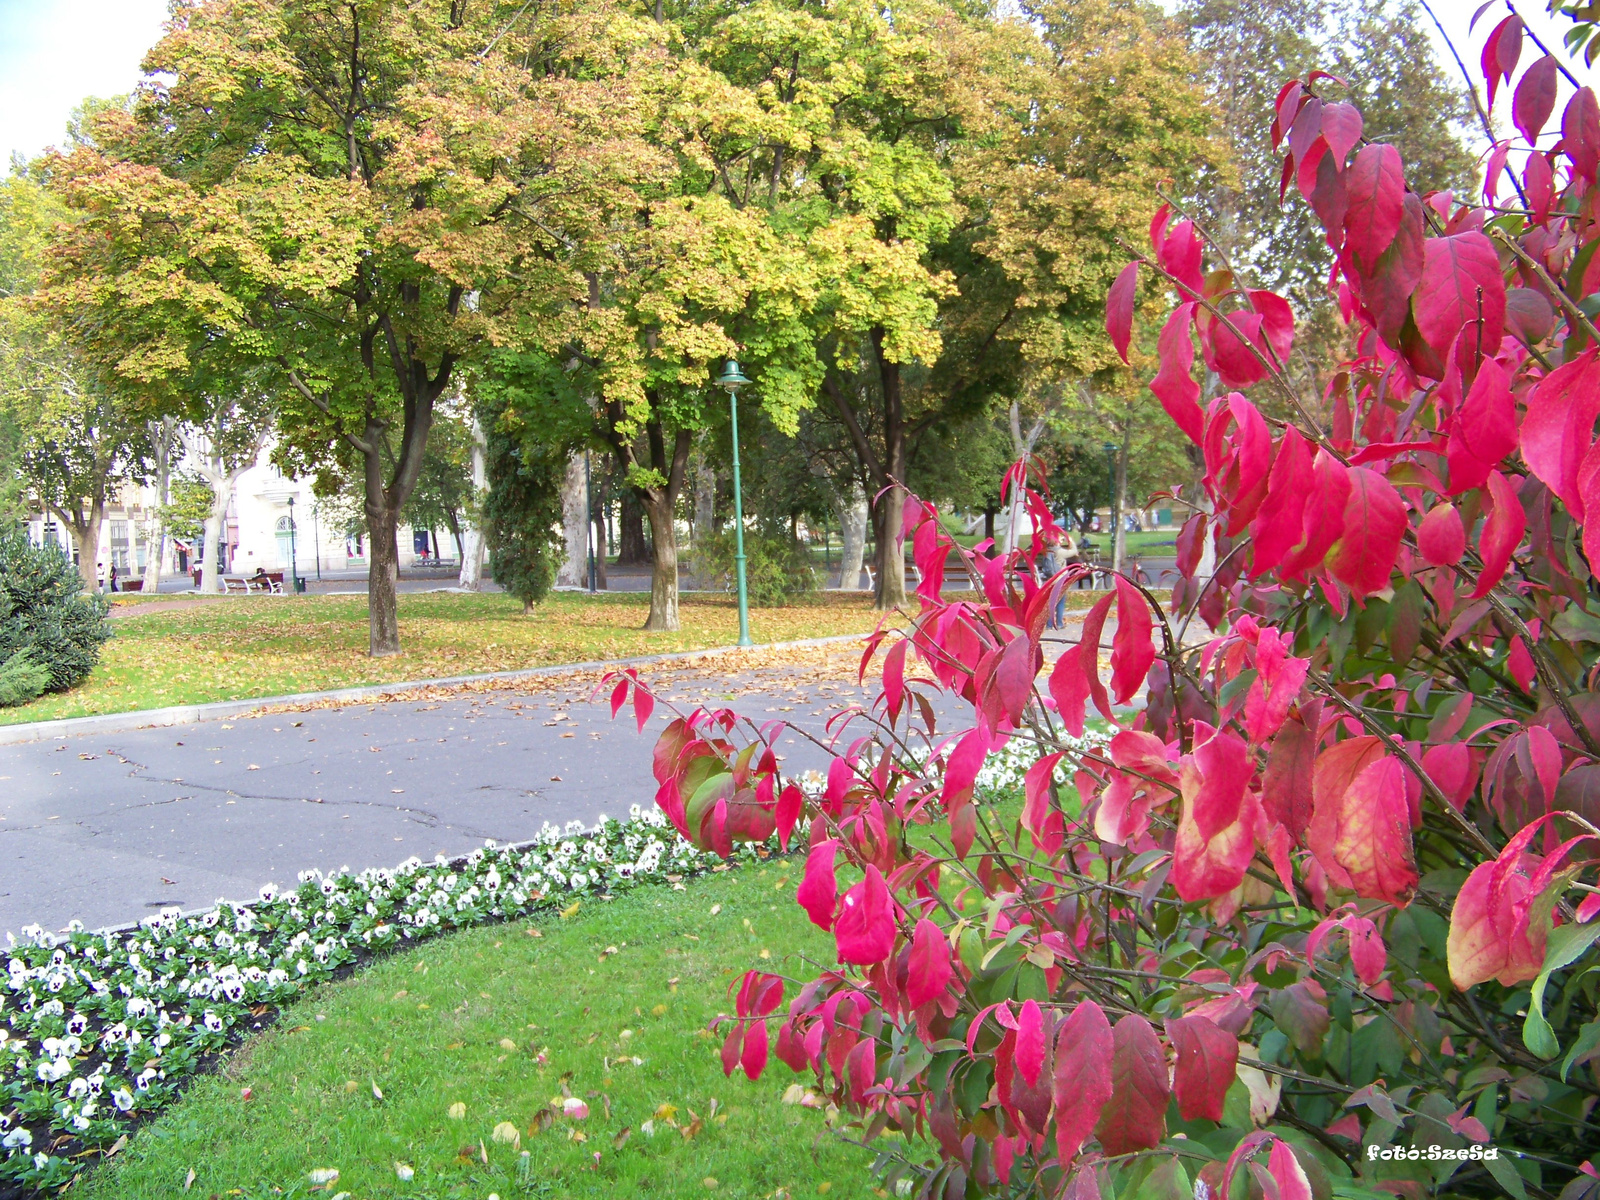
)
(273, 645)
(426, 1026)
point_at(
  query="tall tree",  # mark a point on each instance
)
(78, 432)
(356, 195)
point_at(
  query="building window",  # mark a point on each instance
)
(119, 544)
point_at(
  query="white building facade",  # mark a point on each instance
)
(271, 520)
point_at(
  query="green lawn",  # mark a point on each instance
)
(272, 645)
(462, 1021)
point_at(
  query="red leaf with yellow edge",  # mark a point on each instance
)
(1361, 822)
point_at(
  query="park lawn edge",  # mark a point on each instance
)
(84, 1010)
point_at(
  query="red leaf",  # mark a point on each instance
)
(1135, 1116)
(1558, 427)
(1028, 1057)
(1191, 544)
(1451, 769)
(1279, 676)
(1208, 1059)
(1174, 383)
(1323, 520)
(790, 801)
(1037, 786)
(730, 1048)
(1387, 285)
(819, 889)
(1287, 1173)
(894, 672)
(966, 760)
(1500, 53)
(1485, 428)
(1014, 675)
(1286, 787)
(643, 705)
(1490, 933)
(1441, 537)
(1119, 309)
(618, 695)
(1502, 533)
(1580, 132)
(865, 929)
(1206, 865)
(754, 1058)
(1277, 526)
(1082, 1079)
(1131, 648)
(861, 1069)
(1360, 827)
(1181, 253)
(928, 969)
(1538, 181)
(1535, 97)
(1375, 187)
(1461, 293)
(1341, 126)
(1277, 323)
(1374, 523)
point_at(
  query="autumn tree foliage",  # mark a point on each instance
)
(1311, 909)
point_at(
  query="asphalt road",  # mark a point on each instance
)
(107, 828)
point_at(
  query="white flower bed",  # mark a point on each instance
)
(98, 1029)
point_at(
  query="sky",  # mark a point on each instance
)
(53, 53)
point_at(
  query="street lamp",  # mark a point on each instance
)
(733, 379)
(294, 573)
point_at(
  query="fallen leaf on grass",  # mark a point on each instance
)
(350, 1085)
(542, 1120)
(507, 1045)
(188, 1180)
(659, 1010)
(571, 910)
(458, 1111)
(403, 1171)
(506, 1133)
(622, 1137)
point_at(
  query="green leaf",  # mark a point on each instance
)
(1564, 947)
(1588, 1038)
(1506, 1176)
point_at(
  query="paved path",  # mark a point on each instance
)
(107, 828)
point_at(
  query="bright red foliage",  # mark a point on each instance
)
(1338, 792)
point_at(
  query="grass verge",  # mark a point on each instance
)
(464, 1020)
(268, 646)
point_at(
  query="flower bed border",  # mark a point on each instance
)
(102, 1031)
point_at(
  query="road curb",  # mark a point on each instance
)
(186, 714)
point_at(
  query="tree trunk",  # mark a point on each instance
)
(988, 524)
(891, 588)
(632, 548)
(472, 549)
(383, 578)
(853, 532)
(664, 573)
(890, 591)
(574, 571)
(155, 536)
(211, 551)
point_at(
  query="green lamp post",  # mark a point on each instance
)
(733, 379)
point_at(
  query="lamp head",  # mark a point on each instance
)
(732, 377)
